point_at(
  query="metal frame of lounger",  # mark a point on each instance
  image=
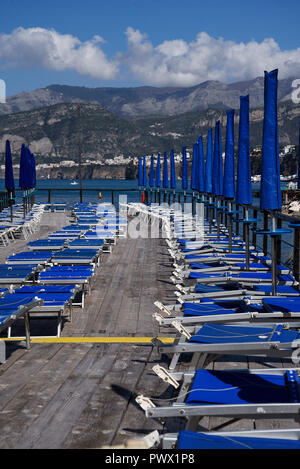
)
(232, 277)
(169, 440)
(83, 282)
(47, 310)
(222, 266)
(190, 293)
(11, 319)
(193, 413)
(226, 316)
(29, 258)
(202, 351)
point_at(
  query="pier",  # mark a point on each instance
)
(81, 394)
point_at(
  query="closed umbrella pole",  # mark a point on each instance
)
(144, 175)
(200, 179)
(9, 178)
(23, 176)
(208, 175)
(172, 173)
(217, 174)
(165, 175)
(184, 173)
(229, 172)
(151, 176)
(157, 177)
(244, 188)
(194, 174)
(140, 176)
(298, 181)
(270, 192)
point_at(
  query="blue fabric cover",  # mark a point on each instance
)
(224, 334)
(234, 387)
(46, 289)
(193, 440)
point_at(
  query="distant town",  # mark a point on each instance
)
(121, 160)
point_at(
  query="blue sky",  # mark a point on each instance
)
(145, 42)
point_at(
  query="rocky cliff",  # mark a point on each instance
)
(69, 131)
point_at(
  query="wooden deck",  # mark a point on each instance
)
(83, 395)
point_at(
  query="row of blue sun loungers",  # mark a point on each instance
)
(53, 275)
(225, 312)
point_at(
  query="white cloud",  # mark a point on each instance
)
(39, 47)
(170, 63)
(181, 63)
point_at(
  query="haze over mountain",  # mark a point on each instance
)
(147, 100)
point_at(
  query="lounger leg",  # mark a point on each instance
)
(71, 310)
(2, 351)
(59, 324)
(27, 330)
(174, 361)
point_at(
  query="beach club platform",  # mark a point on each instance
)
(79, 390)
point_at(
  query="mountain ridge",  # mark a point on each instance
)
(132, 102)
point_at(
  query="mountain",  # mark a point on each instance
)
(59, 132)
(146, 100)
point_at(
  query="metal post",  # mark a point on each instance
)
(254, 228)
(230, 226)
(27, 329)
(80, 152)
(237, 226)
(209, 213)
(247, 239)
(274, 257)
(296, 254)
(278, 247)
(265, 237)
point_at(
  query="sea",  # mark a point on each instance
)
(61, 193)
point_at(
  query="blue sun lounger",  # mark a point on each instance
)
(244, 278)
(257, 270)
(47, 244)
(259, 311)
(108, 236)
(53, 289)
(284, 439)
(54, 304)
(77, 256)
(63, 236)
(67, 275)
(31, 257)
(231, 290)
(274, 340)
(250, 394)
(8, 316)
(83, 243)
(16, 274)
(81, 229)
(90, 221)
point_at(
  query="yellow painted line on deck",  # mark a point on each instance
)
(91, 340)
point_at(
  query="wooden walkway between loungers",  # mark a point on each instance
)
(83, 395)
